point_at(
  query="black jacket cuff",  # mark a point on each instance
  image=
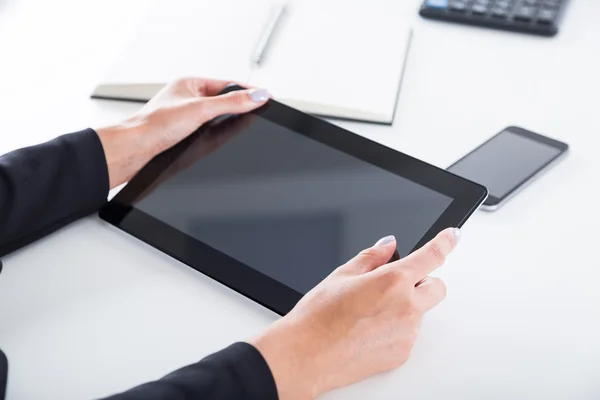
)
(90, 157)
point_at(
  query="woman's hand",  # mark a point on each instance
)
(361, 320)
(172, 115)
(210, 141)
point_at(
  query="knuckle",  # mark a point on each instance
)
(187, 85)
(369, 253)
(449, 239)
(182, 81)
(369, 257)
(436, 252)
(237, 97)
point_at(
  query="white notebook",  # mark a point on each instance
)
(331, 60)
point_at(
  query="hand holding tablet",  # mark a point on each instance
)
(272, 202)
(361, 320)
(283, 199)
(172, 115)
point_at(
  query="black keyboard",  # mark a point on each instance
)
(541, 17)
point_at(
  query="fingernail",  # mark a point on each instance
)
(457, 234)
(259, 95)
(385, 240)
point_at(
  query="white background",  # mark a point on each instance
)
(90, 310)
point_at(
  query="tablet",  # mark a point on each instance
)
(3, 374)
(269, 203)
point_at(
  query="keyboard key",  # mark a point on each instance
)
(551, 7)
(458, 6)
(524, 14)
(479, 9)
(546, 16)
(551, 4)
(441, 4)
(499, 13)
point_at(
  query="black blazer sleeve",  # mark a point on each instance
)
(44, 187)
(238, 372)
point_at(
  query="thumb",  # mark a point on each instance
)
(373, 257)
(237, 102)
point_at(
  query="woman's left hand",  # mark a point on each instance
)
(172, 115)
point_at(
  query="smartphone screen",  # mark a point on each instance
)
(508, 161)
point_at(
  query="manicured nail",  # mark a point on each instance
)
(259, 95)
(386, 240)
(457, 234)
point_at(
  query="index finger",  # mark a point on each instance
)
(430, 257)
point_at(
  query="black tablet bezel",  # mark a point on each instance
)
(494, 201)
(467, 197)
(3, 374)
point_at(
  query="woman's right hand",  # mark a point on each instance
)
(361, 320)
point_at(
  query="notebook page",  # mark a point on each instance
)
(178, 38)
(337, 59)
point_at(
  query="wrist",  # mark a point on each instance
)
(292, 356)
(125, 149)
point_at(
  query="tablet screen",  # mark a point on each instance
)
(286, 205)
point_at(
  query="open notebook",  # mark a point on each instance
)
(331, 60)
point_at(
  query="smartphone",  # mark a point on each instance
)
(509, 161)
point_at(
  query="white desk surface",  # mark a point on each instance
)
(90, 311)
